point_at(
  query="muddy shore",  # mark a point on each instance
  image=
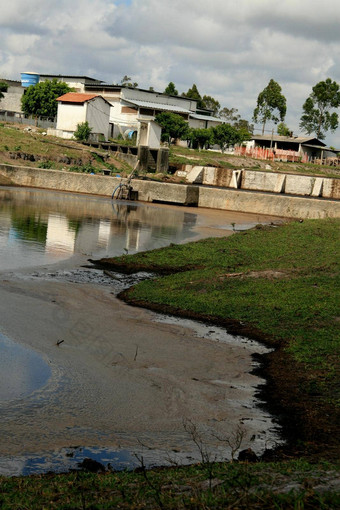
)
(120, 377)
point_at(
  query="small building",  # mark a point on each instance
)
(75, 108)
(307, 147)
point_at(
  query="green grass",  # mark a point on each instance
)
(295, 485)
(288, 288)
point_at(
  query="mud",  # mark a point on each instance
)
(122, 378)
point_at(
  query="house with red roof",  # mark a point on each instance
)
(75, 108)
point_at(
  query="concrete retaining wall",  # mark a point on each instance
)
(292, 184)
(274, 204)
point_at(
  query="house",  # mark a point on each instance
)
(128, 106)
(131, 105)
(75, 108)
(306, 148)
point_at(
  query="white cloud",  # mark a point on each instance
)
(229, 49)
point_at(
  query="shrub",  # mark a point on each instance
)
(83, 131)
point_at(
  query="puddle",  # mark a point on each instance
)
(68, 459)
(22, 371)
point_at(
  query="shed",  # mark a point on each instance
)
(75, 108)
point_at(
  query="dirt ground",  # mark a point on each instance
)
(120, 377)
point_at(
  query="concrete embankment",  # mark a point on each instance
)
(280, 203)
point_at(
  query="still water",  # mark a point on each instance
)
(39, 227)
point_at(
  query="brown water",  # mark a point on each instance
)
(39, 227)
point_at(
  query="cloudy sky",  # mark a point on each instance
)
(229, 48)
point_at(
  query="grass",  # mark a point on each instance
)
(54, 153)
(281, 281)
(294, 484)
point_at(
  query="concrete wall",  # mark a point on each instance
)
(148, 191)
(253, 180)
(12, 98)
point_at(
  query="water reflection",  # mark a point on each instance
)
(31, 371)
(38, 227)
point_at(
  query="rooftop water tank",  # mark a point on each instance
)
(28, 79)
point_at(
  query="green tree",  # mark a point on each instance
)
(317, 115)
(3, 88)
(127, 82)
(40, 100)
(211, 104)
(271, 105)
(225, 135)
(83, 131)
(244, 125)
(200, 137)
(171, 90)
(194, 94)
(283, 129)
(173, 126)
(230, 115)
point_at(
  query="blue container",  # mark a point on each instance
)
(28, 79)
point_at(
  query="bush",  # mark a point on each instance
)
(83, 131)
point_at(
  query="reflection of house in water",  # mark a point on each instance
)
(60, 237)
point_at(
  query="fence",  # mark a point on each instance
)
(271, 154)
(21, 118)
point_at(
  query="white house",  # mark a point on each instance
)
(75, 108)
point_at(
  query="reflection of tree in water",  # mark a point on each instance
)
(30, 228)
(74, 225)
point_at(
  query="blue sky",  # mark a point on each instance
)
(229, 49)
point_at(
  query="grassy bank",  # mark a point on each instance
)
(278, 284)
(295, 484)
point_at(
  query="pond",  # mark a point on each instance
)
(40, 227)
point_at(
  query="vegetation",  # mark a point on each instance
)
(295, 484)
(317, 116)
(127, 82)
(283, 129)
(171, 90)
(40, 100)
(174, 127)
(271, 105)
(225, 135)
(3, 88)
(82, 132)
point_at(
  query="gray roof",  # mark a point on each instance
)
(158, 106)
(205, 117)
(288, 139)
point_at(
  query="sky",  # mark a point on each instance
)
(229, 48)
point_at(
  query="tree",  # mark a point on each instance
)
(244, 125)
(271, 105)
(173, 126)
(127, 82)
(211, 104)
(317, 116)
(194, 94)
(83, 131)
(283, 129)
(200, 137)
(225, 135)
(40, 100)
(171, 90)
(3, 88)
(230, 115)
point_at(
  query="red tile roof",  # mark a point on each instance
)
(76, 97)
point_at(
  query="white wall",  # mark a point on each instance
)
(69, 115)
